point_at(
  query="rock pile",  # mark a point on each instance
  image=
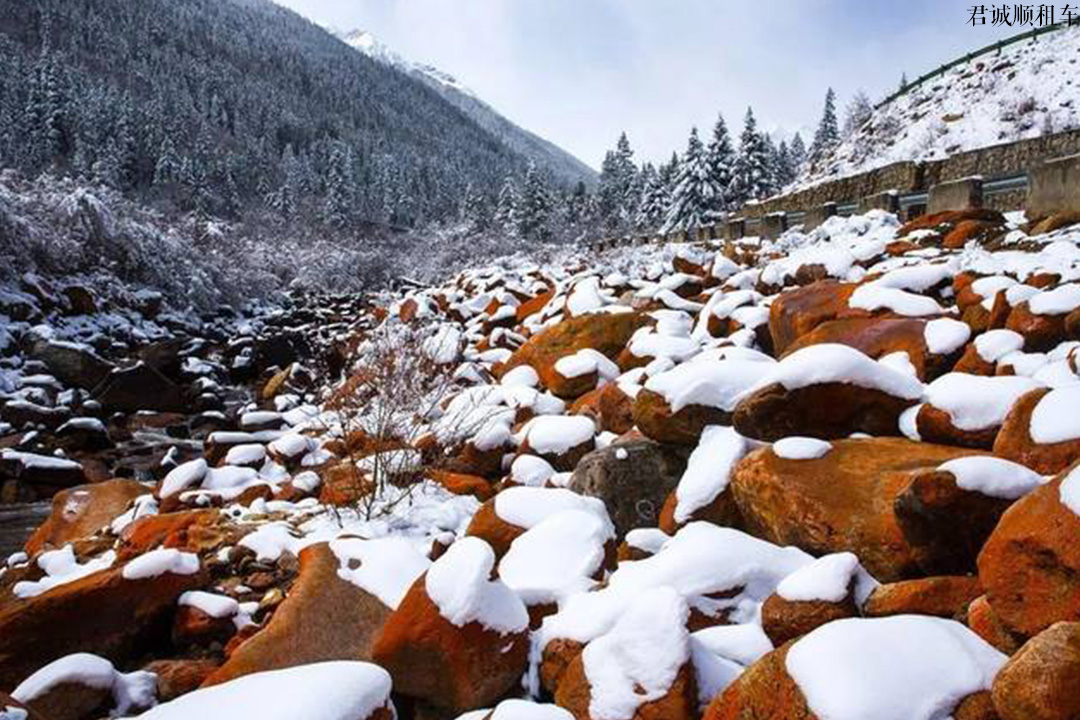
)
(835, 476)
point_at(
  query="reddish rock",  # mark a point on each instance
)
(462, 484)
(972, 363)
(678, 703)
(722, 511)
(343, 484)
(943, 222)
(826, 411)
(81, 511)
(172, 530)
(179, 677)
(797, 312)
(1014, 440)
(936, 426)
(6, 701)
(606, 333)
(70, 701)
(492, 529)
(878, 337)
(927, 510)
(450, 666)
(534, 305)
(943, 596)
(965, 231)
(763, 692)
(610, 408)
(843, 501)
(1042, 680)
(654, 418)
(323, 617)
(1030, 565)
(192, 626)
(1041, 332)
(785, 620)
(103, 614)
(985, 623)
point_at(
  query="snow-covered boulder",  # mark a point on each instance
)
(458, 639)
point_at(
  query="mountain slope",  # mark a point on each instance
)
(237, 102)
(564, 166)
(1026, 90)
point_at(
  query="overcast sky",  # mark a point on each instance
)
(580, 71)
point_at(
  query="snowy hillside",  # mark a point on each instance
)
(1029, 89)
(375, 49)
(562, 164)
(671, 482)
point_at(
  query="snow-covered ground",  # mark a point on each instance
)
(1028, 90)
(464, 414)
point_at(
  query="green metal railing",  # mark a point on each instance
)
(993, 47)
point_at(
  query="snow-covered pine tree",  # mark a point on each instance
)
(669, 171)
(167, 167)
(721, 160)
(654, 202)
(827, 136)
(694, 190)
(51, 113)
(340, 197)
(752, 175)
(772, 154)
(577, 205)
(785, 165)
(616, 190)
(857, 113)
(232, 202)
(106, 169)
(475, 211)
(534, 214)
(286, 198)
(506, 212)
(798, 154)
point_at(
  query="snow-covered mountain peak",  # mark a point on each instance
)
(367, 43)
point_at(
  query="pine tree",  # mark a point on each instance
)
(785, 165)
(233, 203)
(506, 212)
(655, 200)
(694, 191)
(752, 174)
(534, 212)
(856, 115)
(827, 136)
(126, 150)
(617, 196)
(167, 167)
(669, 172)
(798, 155)
(903, 81)
(475, 212)
(286, 198)
(106, 169)
(721, 160)
(51, 113)
(340, 198)
(577, 205)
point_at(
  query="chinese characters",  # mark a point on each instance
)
(1021, 14)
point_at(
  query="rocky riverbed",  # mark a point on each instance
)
(827, 477)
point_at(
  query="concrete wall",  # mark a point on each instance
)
(1054, 186)
(955, 195)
